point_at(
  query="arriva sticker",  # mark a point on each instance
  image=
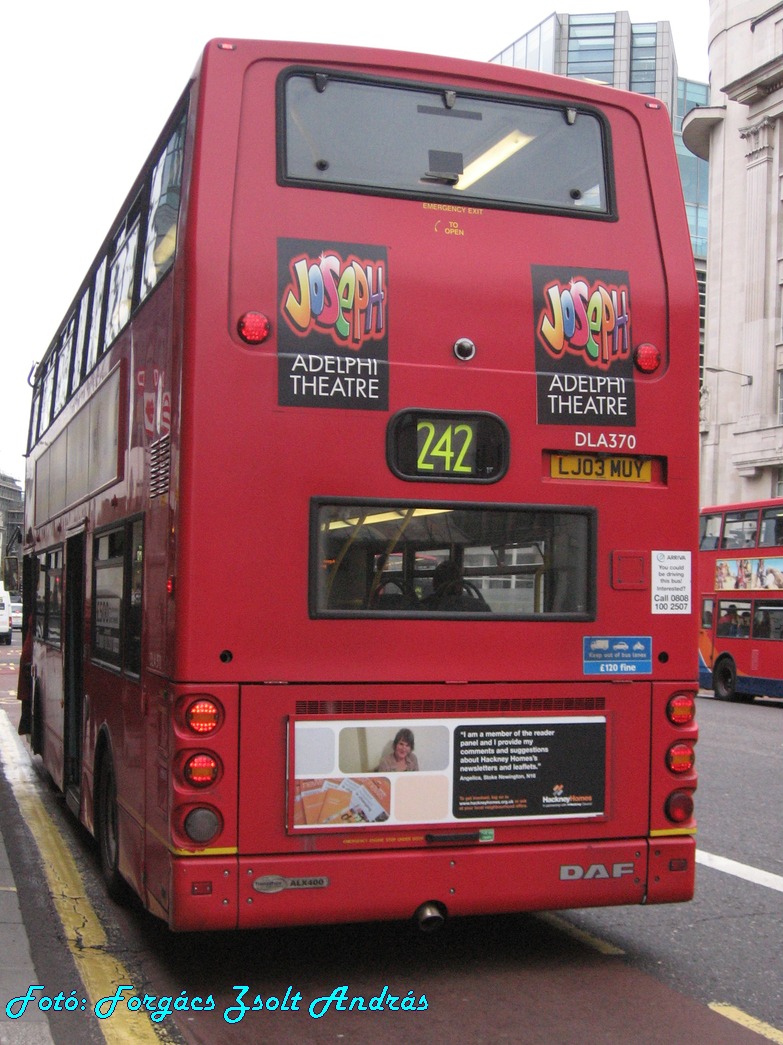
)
(671, 582)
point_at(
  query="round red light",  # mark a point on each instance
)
(254, 327)
(202, 716)
(647, 358)
(681, 709)
(201, 770)
(679, 806)
(680, 758)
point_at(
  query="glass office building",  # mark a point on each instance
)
(633, 56)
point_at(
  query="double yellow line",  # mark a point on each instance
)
(100, 972)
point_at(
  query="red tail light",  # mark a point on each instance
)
(680, 757)
(681, 709)
(201, 770)
(647, 358)
(254, 327)
(203, 716)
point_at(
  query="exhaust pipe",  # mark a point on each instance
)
(430, 916)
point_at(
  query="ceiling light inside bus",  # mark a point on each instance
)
(254, 327)
(647, 358)
(382, 517)
(493, 157)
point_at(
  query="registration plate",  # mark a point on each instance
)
(612, 468)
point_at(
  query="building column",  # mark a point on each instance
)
(759, 153)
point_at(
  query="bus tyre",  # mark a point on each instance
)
(724, 679)
(106, 830)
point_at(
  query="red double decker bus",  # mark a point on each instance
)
(361, 500)
(741, 590)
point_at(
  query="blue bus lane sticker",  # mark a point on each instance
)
(617, 654)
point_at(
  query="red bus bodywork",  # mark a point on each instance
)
(225, 478)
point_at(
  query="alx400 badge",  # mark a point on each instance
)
(276, 883)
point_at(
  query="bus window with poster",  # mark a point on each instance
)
(400, 354)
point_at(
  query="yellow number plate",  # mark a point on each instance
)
(612, 468)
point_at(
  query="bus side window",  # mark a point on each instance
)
(80, 347)
(768, 621)
(135, 576)
(48, 601)
(707, 610)
(65, 352)
(762, 625)
(734, 619)
(740, 529)
(771, 528)
(709, 531)
(121, 272)
(35, 413)
(163, 213)
(95, 343)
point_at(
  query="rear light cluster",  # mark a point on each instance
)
(679, 806)
(681, 709)
(200, 718)
(681, 757)
(254, 328)
(202, 770)
(647, 358)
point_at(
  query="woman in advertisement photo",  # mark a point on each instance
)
(401, 758)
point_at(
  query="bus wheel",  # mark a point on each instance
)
(106, 830)
(724, 679)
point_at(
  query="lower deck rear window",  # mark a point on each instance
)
(440, 560)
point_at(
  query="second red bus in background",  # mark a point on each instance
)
(741, 586)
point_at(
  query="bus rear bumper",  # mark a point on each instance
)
(245, 892)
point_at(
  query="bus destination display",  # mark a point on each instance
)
(449, 446)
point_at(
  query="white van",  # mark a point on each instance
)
(5, 617)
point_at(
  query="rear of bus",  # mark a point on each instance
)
(438, 464)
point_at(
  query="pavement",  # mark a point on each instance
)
(17, 969)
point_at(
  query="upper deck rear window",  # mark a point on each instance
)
(404, 139)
